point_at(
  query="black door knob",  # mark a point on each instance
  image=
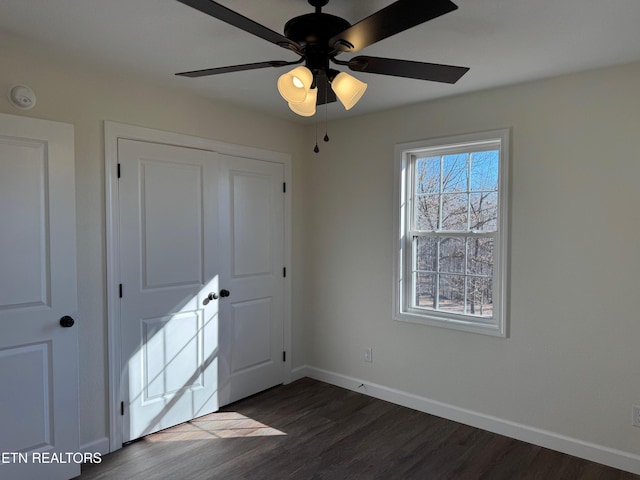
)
(224, 293)
(209, 298)
(67, 321)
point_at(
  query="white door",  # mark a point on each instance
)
(38, 357)
(187, 347)
(251, 215)
(169, 328)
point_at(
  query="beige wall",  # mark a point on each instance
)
(572, 362)
(74, 93)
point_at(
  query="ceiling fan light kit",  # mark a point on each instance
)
(348, 89)
(307, 108)
(318, 38)
(294, 85)
(297, 88)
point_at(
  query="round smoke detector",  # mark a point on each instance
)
(22, 97)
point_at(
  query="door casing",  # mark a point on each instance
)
(112, 132)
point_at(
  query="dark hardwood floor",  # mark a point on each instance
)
(313, 430)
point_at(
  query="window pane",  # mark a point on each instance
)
(451, 293)
(452, 255)
(428, 175)
(426, 254)
(454, 173)
(449, 236)
(480, 256)
(427, 208)
(479, 296)
(454, 212)
(484, 170)
(425, 296)
(483, 210)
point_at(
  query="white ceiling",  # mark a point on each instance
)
(502, 41)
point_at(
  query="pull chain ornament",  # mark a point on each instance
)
(326, 107)
(316, 149)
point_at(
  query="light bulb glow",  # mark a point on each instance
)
(294, 85)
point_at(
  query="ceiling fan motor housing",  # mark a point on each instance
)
(313, 31)
(314, 28)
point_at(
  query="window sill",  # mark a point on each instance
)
(456, 322)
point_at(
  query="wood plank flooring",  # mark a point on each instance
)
(310, 430)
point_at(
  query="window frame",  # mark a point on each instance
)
(405, 155)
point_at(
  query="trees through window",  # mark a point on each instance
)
(451, 220)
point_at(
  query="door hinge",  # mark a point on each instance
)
(284, 356)
(284, 272)
(121, 408)
(118, 170)
(284, 187)
(120, 290)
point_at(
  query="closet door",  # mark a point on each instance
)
(251, 216)
(194, 332)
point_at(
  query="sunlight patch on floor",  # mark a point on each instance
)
(213, 426)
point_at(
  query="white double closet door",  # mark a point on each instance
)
(201, 266)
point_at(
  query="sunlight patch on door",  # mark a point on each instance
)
(172, 353)
(215, 426)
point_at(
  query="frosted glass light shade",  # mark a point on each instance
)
(294, 85)
(348, 89)
(308, 107)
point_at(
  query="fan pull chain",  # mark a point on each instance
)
(326, 107)
(316, 149)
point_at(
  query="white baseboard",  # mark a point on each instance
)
(300, 372)
(572, 446)
(100, 445)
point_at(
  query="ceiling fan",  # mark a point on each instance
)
(318, 38)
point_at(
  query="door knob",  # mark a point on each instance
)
(211, 296)
(67, 321)
(224, 293)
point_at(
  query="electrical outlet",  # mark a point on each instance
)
(368, 355)
(636, 416)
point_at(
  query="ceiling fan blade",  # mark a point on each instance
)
(395, 18)
(234, 68)
(233, 18)
(325, 93)
(433, 72)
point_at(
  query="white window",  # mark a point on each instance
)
(451, 232)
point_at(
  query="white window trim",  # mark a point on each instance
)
(497, 326)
